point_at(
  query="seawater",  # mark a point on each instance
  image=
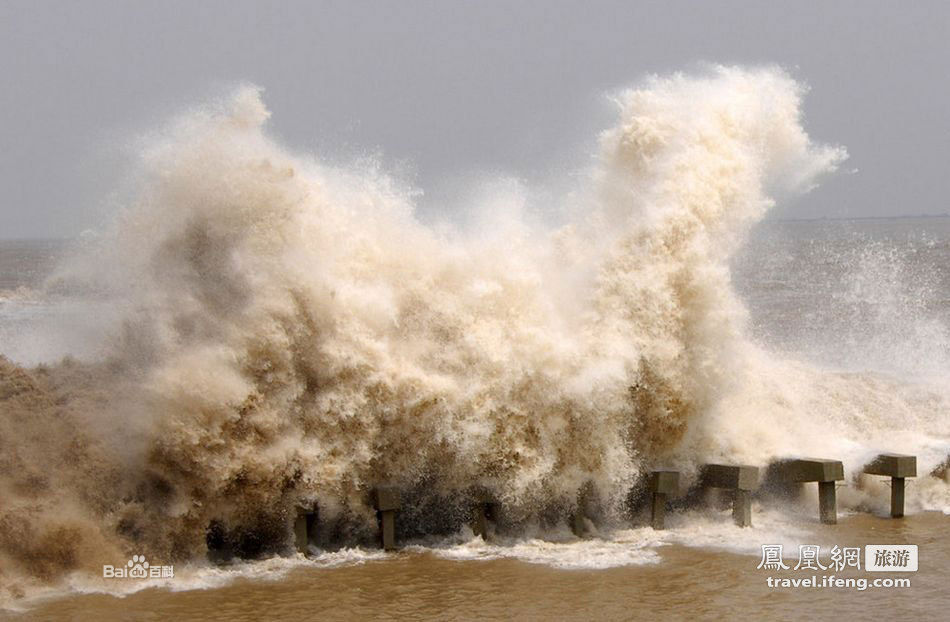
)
(259, 330)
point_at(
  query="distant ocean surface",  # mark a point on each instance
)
(38, 323)
(858, 295)
(26, 263)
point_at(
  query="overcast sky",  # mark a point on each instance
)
(451, 90)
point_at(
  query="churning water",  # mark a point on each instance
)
(260, 330)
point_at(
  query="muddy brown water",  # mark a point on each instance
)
(688, 583)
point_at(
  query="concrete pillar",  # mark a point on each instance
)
(480, 520)
(300, 533)
(897, 497)
(578, 528)
(387, 502)
(586, 511)
(658, 511)
(482, 515)
(827, 503)
(898, 467)
(742, 508)
(738, 478)
(579, 524)
(219, 542)
(825, 472)
(662, 484)
(387, 529)
(305, 529)
(485, 512)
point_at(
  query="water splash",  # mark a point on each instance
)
(284, 331)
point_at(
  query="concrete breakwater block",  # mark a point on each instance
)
(386, 498)
(801, 470)
(897, 467)
(729, 476)
(305, 528)
(796, 470)
(387, 502)
(485, 514)
(892, 465)
(587, 512)
(741, 479)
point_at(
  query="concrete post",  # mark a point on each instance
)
(658, 511)
(484, 514)
(825, 472)
(897, 497)
(662, 484)
(578, 525)
(485, 511)
(827, 503)
(740, 479)
(387, 529)
(300, 532)
(387, 502)
(305, 529)
(480, 520)
(898, 467)
(219, 542)
(742, 508)
(586, 510)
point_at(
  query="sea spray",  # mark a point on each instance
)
(285, 332)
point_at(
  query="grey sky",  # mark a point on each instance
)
(450, 89)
